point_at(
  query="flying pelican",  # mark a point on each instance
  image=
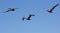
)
(50, 11)
(29, 17)
(11, 9)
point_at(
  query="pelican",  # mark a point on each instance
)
(50, 11)
(29, 17)
(11, 9)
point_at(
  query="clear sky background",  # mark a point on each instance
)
(42, 22)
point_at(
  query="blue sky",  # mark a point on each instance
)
(42, 22)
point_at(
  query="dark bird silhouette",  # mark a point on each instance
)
(10, 9)
(29, 17)
(50, 11)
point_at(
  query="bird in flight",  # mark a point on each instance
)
(50, 11)
(10, 9)
(29, 17)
